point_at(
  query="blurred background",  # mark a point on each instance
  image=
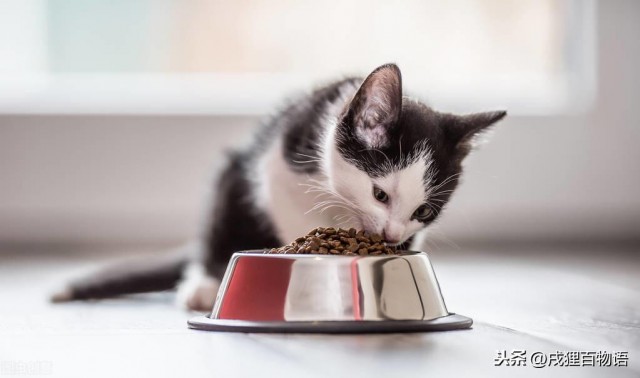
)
(113, 115)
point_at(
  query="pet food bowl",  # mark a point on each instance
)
(329, 294)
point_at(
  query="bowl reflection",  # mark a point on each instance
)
(307, 288)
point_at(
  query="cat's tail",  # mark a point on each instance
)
(140, 275)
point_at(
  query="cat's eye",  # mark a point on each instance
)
(422, 213)
(380, 195)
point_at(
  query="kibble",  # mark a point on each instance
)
(338, 241)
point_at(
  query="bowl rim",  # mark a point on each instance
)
(262, 252)
(449, 322)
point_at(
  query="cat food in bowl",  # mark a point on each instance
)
(338, 241)
(329, 293)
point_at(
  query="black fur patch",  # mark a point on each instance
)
(303, 122)
(236, 223)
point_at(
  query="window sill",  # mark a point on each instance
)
(257, 94)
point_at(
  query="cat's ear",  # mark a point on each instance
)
(467, 129)
(375, 108)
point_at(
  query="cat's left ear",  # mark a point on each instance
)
(468, 128)
(375, 108)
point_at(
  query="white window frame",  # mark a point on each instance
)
(256, 94)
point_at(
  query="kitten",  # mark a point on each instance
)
(355, 153)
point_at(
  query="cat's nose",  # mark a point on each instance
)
(393, 232)
(390, 237)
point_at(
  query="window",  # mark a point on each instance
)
(172, 56)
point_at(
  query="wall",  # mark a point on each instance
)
(68, 179)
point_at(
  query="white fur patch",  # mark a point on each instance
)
(297, 202)
(283, 196)
(406, 188)
(197, 291)
(419, 240)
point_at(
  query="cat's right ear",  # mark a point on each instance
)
(465, 130)
(375, 108)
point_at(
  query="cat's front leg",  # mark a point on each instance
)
(236, 224)
(198, 290)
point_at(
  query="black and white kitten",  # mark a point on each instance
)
(355, 153)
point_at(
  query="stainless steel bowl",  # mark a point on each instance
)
(329, 294)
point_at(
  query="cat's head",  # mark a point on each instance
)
(395, 160)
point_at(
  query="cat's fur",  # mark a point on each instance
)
(316, 163)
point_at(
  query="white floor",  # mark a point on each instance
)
(537, 299)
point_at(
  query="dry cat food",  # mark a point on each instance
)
(338, 241)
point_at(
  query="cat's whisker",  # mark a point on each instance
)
(427, 244)
(309, 156)
(332, 206)
(319, 205)
(311, 188)
(316, 206)
(436, 208)
(443, 237)
(320, 195)
(441, 185)
(306, 161)
(443, 191)
(323, 206)
(340, 217)
(433, 209)
(436, 201)
(440, 193)
(446, 181)
(347, 221)
(390, 165)
(321, 186)
(315, 186)
(318, 189)
(320, 192)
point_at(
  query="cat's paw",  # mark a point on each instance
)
(197, 291)
(62, 295)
